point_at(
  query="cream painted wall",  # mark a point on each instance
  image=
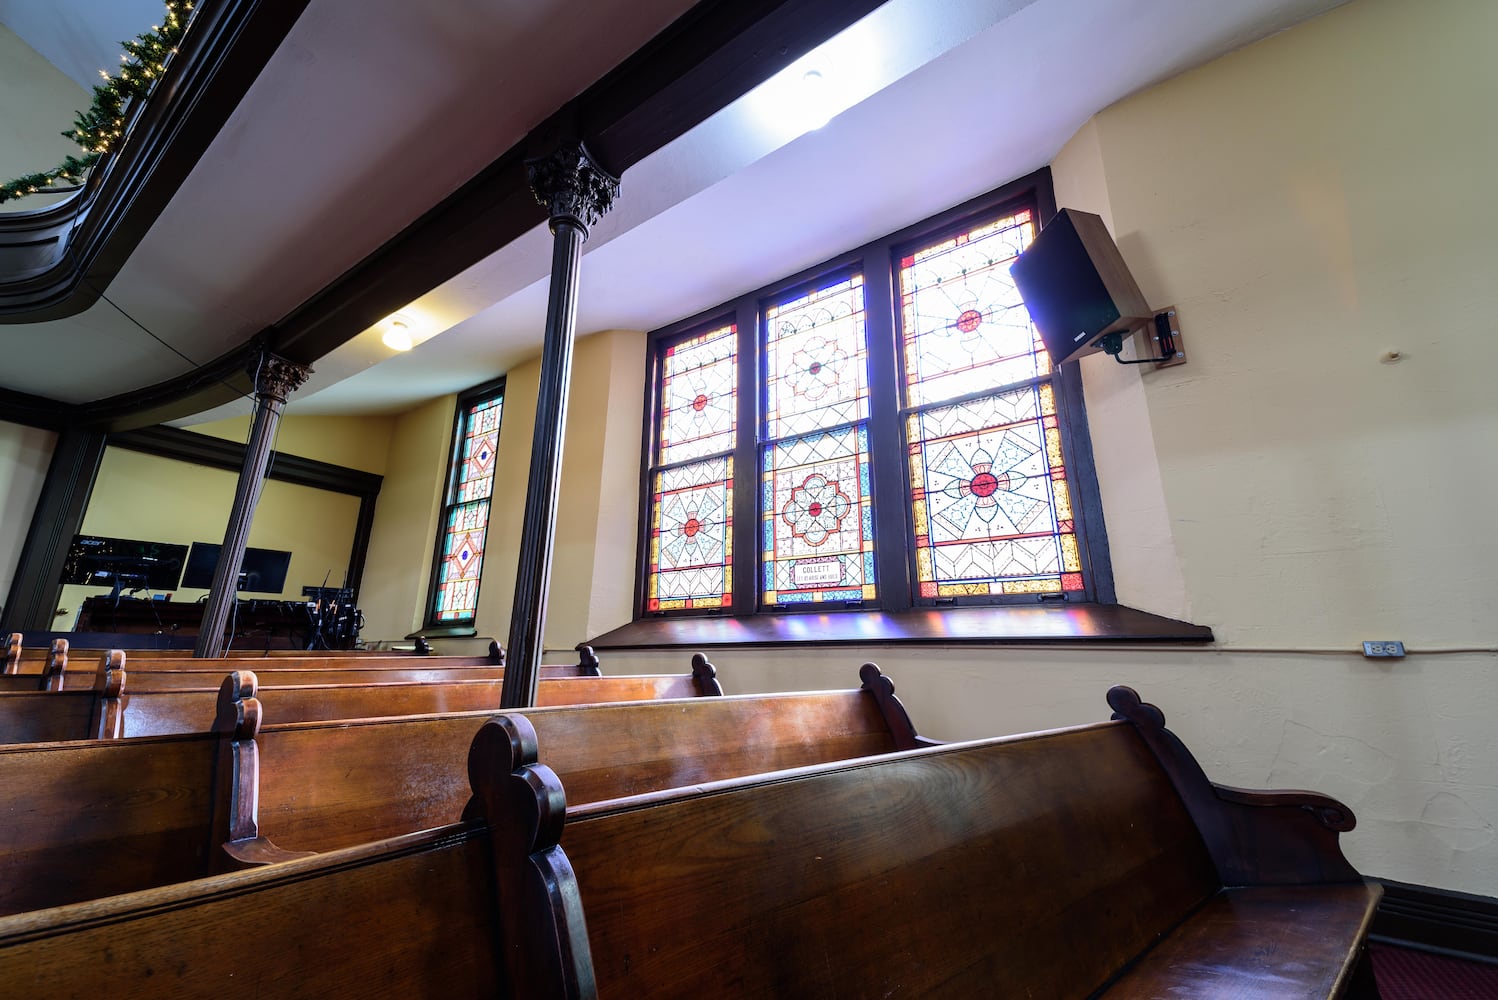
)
(592, 587)
(37, 102)
(511, 473)
(1404, 745)
(399, 562)
(158, 499)
(363, 442)
(1326, 198)
(1308, 203)
(25, 453)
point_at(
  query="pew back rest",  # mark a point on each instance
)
(126, 713)
(160, 713)
(325, 786)
(95, 818)
(46, 716)
(408, 918)
(1045, 862)
(702, 681)
(177, 678)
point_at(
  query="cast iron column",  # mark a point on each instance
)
(275, 378)
(577, 192)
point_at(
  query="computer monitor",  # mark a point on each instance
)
(123, 563)
(263, 571)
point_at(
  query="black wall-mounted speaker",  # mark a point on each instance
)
(1076, 286)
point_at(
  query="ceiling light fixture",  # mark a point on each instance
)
(398, 336)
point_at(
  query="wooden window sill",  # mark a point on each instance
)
(1071, 624)
(445, 632)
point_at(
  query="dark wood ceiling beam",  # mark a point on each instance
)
(709, 57)
(712, 55)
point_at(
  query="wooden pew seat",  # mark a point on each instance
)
(1091, 861)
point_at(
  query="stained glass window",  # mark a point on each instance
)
(462, 558)
(690, 543)
(905, 442)
(816, 505)
(460, 549)
(816, 361)
(699, 396)
(990, 506)
(817, 513)
(691, 537)
(964, 326)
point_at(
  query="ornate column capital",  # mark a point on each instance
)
(276, 378)
(571, 185)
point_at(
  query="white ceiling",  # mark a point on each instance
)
(371, 112)
(80, 37)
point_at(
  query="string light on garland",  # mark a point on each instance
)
(99, 129)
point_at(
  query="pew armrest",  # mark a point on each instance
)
(254, 851)
(892, 709)
(1328, 811)
(1255, 838)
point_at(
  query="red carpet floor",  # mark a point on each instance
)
(1404, 974)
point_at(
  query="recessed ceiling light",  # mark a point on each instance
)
(398, 336)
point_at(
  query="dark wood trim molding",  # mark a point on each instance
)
(1440, 920)
(59, 512)
(715, 53)
(89, 237)
(1007, 624)
(220, 453)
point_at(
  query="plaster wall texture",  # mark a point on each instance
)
(398, 565)
(25, 453)
(1309, 204)
(593, 556)
(358, 442)
(37, 102)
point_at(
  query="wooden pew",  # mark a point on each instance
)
(320, 786)
(115, 710)
(409, 917)
(62, 672)
(148, 812)
(334, 925)
(19, 666)
(158, 713)
(174, 670)
(47, 716)
(92, 818)
(1091, 861)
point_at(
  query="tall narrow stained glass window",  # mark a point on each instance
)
(991, 510)
(816, 505)
(691, 503)
(460, 556)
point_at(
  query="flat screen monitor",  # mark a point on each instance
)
(263, 571)
(129, 563)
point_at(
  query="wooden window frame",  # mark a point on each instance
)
(877, 261)
(482, 393)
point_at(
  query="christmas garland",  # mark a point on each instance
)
(101, 128)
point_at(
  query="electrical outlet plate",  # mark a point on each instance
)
(1386, 648)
